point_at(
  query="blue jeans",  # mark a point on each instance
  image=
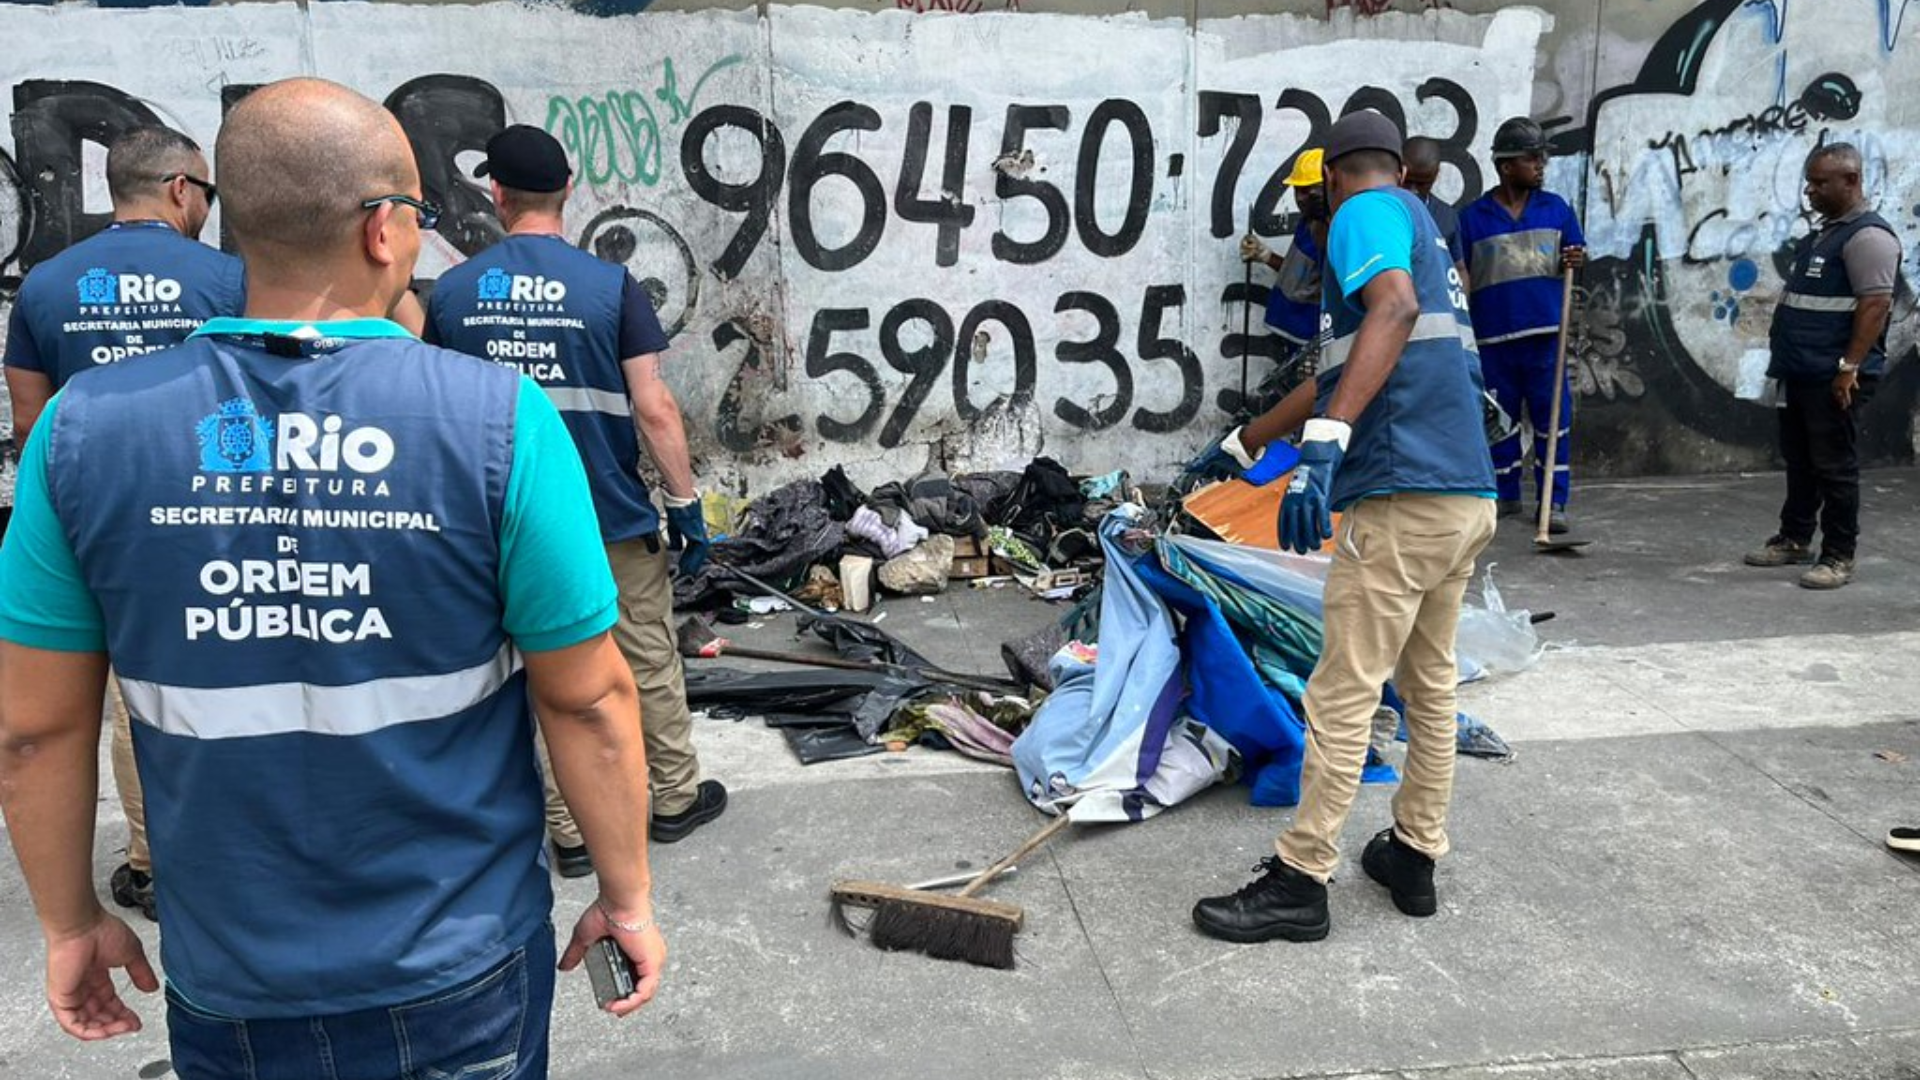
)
(493, 1027)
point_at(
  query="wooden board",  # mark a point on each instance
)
(1242, 513)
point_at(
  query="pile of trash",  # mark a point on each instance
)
(834, 546)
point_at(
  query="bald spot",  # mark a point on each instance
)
(296, 160)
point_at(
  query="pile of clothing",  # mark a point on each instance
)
(795, 536)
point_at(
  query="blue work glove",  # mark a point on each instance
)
(687, 533)
(1228, 458)
(1306, 510)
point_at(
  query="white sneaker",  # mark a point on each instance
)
(1904, 839)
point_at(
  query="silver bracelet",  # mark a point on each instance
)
(640, 927)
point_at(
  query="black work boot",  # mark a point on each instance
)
(709, 802)
(1407, 874)
(134, 889)
(1281, 903)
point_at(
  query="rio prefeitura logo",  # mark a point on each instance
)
(235, 439)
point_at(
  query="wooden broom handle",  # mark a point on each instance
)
(1024, 850)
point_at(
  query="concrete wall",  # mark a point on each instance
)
(865, 260)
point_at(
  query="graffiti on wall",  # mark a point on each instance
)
(1693, 181)
(872, 233)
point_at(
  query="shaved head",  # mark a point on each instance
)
(1421, 156)
(297, 158)
(1422, 153)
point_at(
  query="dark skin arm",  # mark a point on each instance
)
(1869, 321)
(1392, 308)
(1282, 420)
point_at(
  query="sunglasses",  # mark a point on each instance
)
(204, 185)
(429, 213)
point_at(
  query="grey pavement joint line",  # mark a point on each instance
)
(1100, 964)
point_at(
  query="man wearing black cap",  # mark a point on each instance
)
(1396, 444)
(585, 331)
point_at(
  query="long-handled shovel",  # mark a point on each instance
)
(1543, 541)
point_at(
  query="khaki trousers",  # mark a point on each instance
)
(1401, 566)
(644, 633)
(126, 778)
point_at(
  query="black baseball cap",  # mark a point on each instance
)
(525, 158)
(1362, 130)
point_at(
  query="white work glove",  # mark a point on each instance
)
(1252, 250)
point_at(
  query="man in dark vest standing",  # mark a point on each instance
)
(139, 285)
(1396, 443)
(587, 334)
(341, 574)
(1829, 340)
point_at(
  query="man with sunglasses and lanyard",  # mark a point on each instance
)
(141, 284)
(586, 332)
(344, 575)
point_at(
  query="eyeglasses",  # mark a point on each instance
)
(429, 213)
(204, 185)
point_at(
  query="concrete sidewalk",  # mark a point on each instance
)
(1681, 875)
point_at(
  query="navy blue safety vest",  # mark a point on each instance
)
(1425, 430)
(295, 547)
(1813, 322)
(544, 307)
(134, 287)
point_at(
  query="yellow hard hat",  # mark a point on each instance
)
(1307, 168)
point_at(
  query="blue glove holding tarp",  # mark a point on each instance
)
(687, 533)
(1306, 510)
(1229, 457)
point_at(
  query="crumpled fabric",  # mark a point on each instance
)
(1046, 500)
(980, 726)
(782, 533)
(1115, 740)
(933, 499)
(843, 497)
(894, 540)
(990, 491)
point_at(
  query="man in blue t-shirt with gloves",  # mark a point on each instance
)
(341, 575)
(1395, 445)
(1520, 239)
(139, 285)
(587, 334)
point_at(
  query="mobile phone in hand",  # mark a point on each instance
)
(610, 972)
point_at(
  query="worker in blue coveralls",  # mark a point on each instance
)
(585, 332)
(1519, 238)
(139, 285)
(341, 574)
(1395, 444)
(1293, 304)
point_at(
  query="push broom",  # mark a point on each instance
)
(959, 927)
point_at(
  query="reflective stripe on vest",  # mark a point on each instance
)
(1433, 326)
(238, 712)
(1805, 302)
(575, 399)
(1514, 256)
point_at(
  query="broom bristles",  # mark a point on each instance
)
(942, 933)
